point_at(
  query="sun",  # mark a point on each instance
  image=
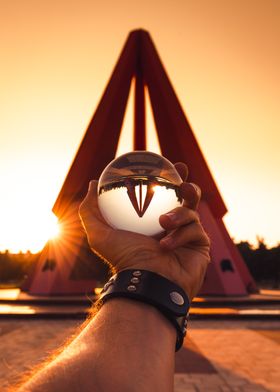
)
(26, 218)
(41, 230)
(52, 227)
(30, 232)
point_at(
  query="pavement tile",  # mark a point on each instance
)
(236, 381)
(224, 388)
(186, 389)
(190, 360)
(254, 388)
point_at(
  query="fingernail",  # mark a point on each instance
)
(172, 216)
(90, 185)
(196, 188)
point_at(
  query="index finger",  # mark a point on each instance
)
(89, 211)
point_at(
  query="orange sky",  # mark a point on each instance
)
(223, 58)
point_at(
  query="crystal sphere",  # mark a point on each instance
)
(135, 189)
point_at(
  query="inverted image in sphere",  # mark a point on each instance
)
(135, 189)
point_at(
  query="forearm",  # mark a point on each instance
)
(127, 346)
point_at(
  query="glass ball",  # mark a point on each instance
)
(135, 189)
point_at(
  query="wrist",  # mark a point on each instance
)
(154, 290)
(139, 318)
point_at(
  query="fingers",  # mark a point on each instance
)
(183, 215)
(192, 233)
(191, 194)
(183, 224)
(178, 217)
(95, 225)
(89, 204)
(89, 207)
(91, 198)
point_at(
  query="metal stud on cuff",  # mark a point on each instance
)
(176, 298)
(131, 288)
(136, 273)
(134, 280)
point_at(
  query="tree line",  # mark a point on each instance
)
(262, 262)
(14, 268)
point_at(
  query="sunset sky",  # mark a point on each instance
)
(223, 59)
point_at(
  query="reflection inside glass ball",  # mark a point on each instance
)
(135, 189)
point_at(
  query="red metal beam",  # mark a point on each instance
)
(139, 136)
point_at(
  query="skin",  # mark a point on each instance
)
(129, 346)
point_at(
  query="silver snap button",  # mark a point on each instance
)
(137, 273)
(135, 280)
(131, 288)
(177, 298)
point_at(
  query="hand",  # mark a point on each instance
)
(181, 254)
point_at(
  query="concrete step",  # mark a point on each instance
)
(55, 311)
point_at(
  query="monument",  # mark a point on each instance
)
(57, 270)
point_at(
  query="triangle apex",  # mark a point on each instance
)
(139, 31)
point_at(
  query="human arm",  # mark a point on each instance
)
(127, 345)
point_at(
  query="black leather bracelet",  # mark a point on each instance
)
(151, 288)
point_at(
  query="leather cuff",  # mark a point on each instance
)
(153, 289)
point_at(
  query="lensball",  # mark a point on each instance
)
(135, 189)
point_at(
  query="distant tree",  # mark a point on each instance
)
(14, 267)
(274, 266)
(262, 262)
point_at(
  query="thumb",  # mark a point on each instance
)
(96, 227)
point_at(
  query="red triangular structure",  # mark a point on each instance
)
(228, 274)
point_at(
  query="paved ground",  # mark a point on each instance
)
(238, 356)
